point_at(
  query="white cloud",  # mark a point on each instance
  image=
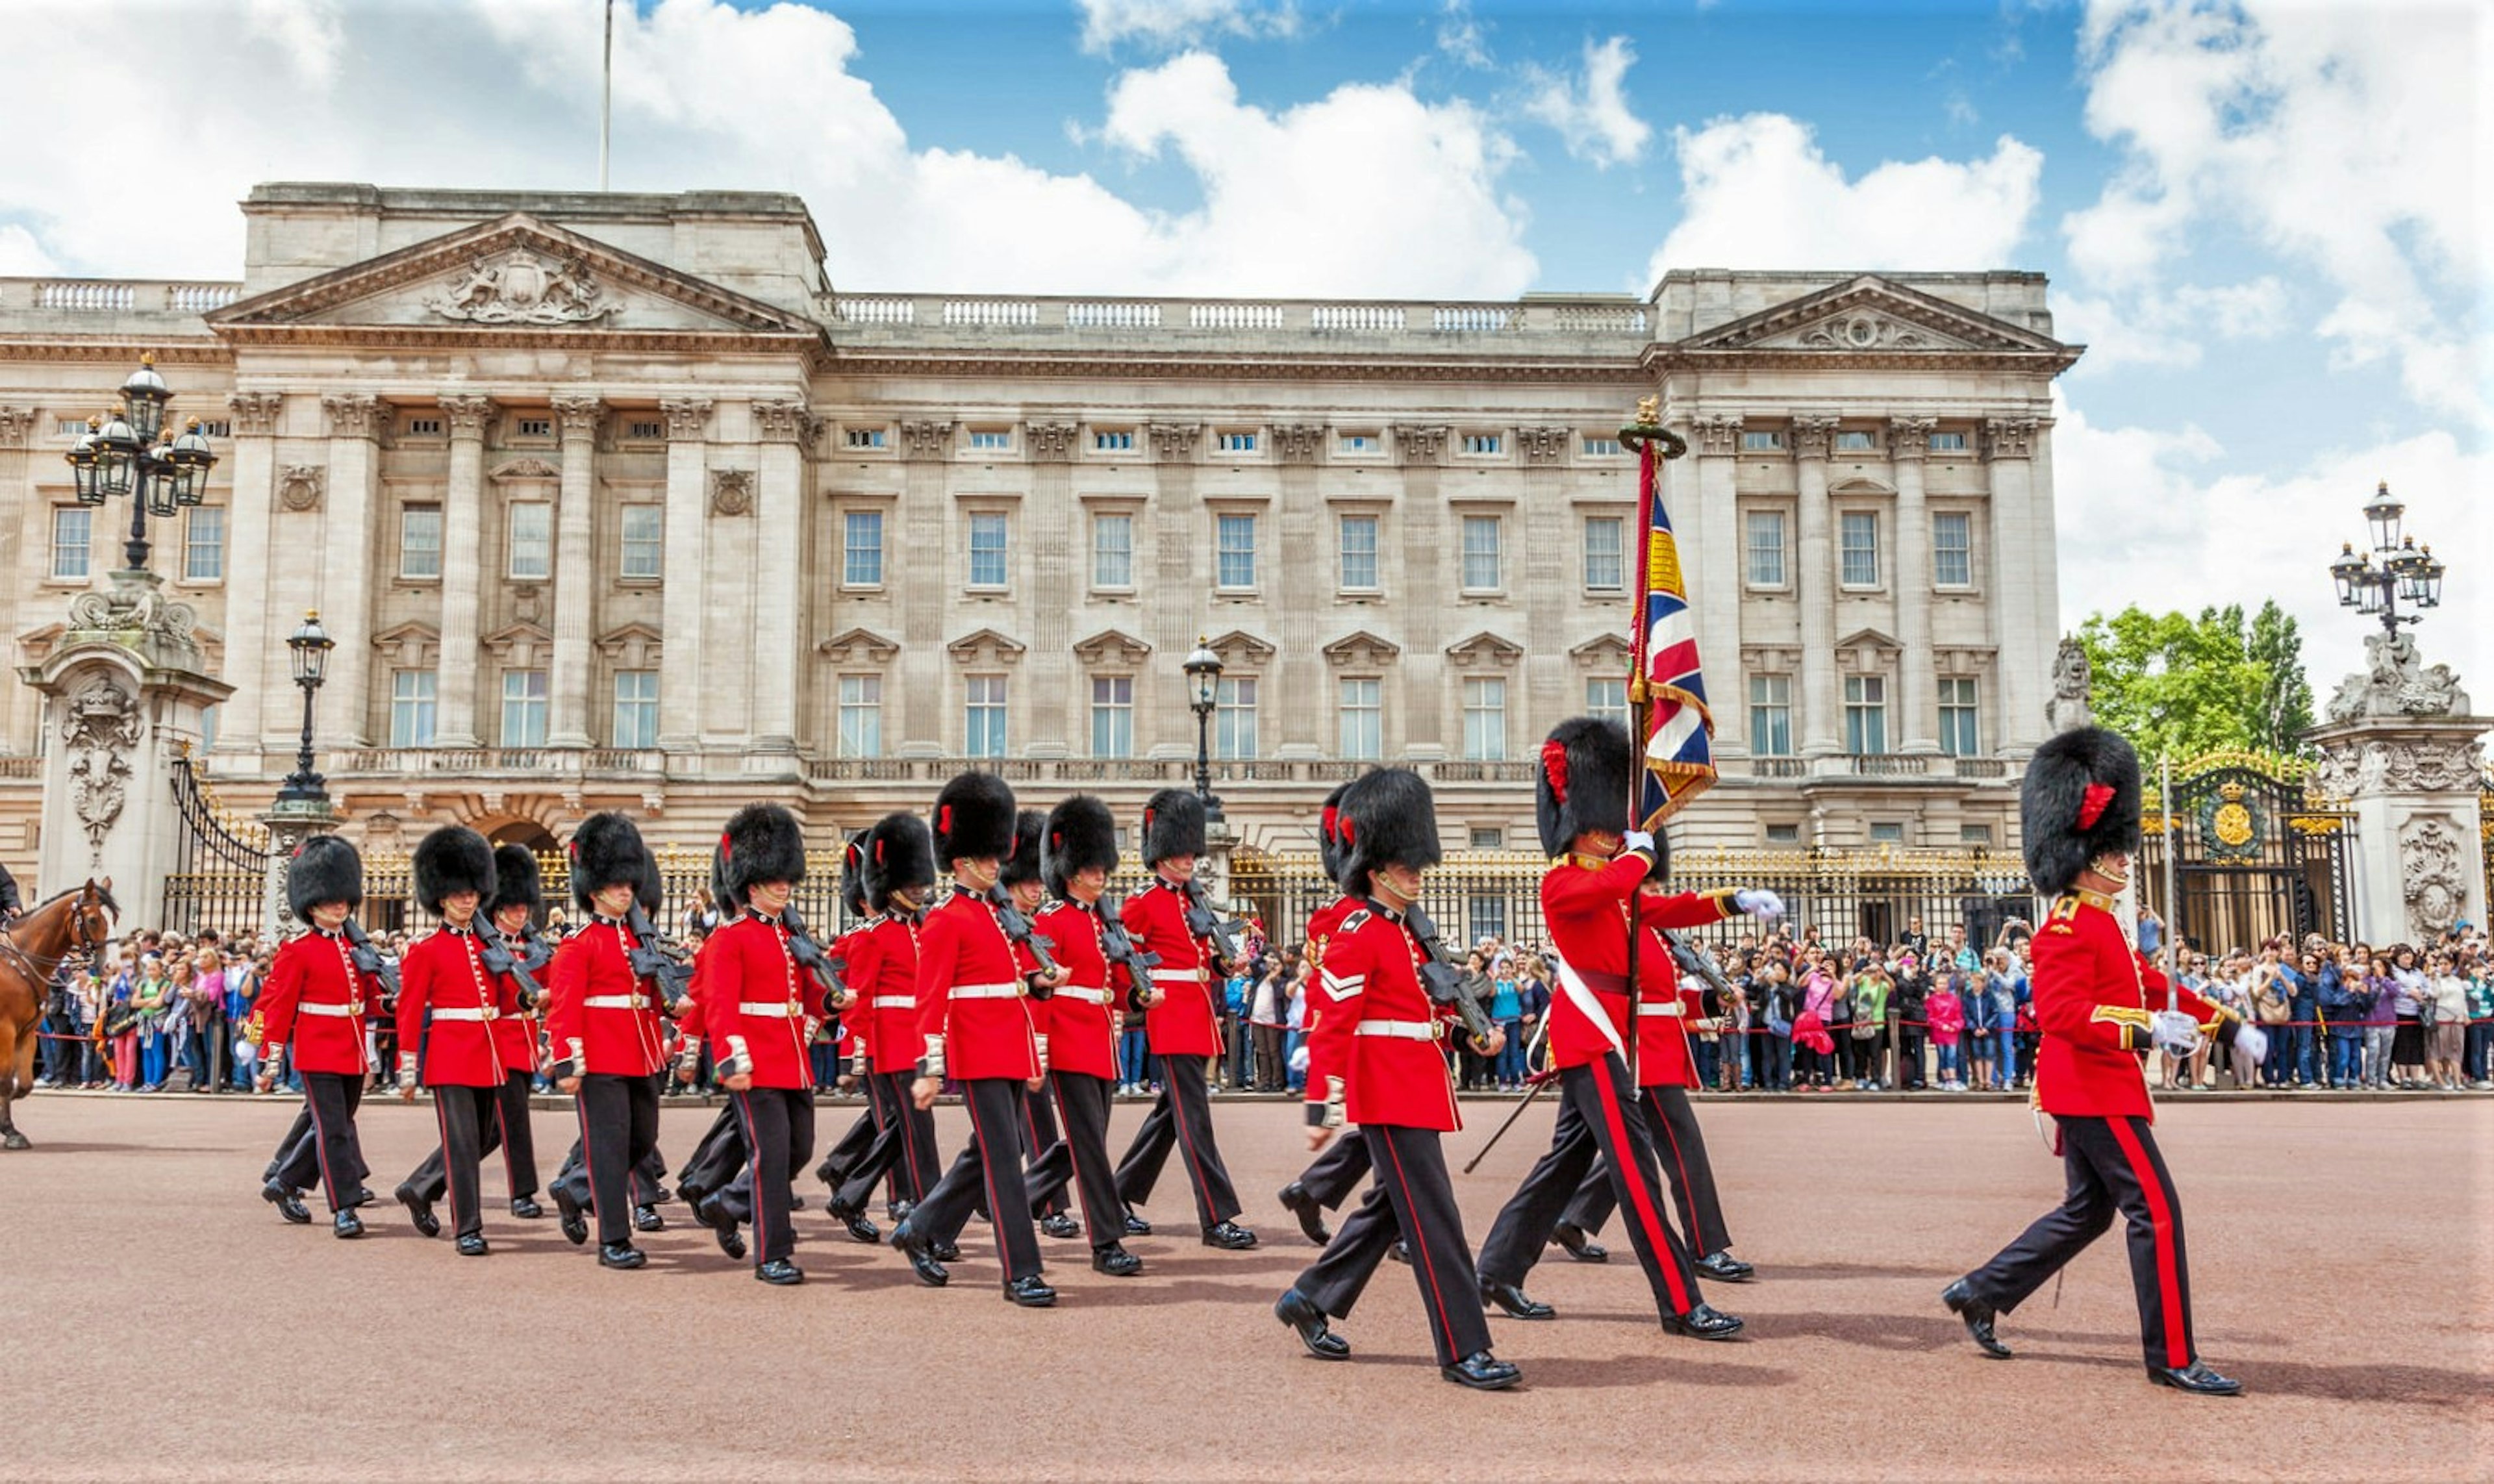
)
(504, 94)
(2169, 329)
(2350, 139)
(1460, 37)
(2168, 521)
(1757, 192)
(21, 256)
(1171, 26)
(1591, 115)
(309, 31)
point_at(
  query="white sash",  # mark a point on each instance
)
(1581, 995)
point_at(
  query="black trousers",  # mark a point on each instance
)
(619, 1129)
(852, 1146)
(1594, 1123)
(780, 1138)
(1081, 1156)
(987, 1172)
(464, 1115)
(1183, 1118)
(299, 1140)
(2113, 1164)
(905, 1144)
(1412, 1196)
(1671, 1123)
(1038, 1133)
(1337, 1171)
(329, 1151)
(504, 1127)
(717, 1161)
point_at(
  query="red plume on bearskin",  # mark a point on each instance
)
(1329, 832)
(1583, 782)
(2079, 799)
(1081, 833)
(1030, 829)
(450, 859)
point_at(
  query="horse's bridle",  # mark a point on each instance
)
(80, 942)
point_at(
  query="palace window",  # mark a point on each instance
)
(1485, 719)
(1766, 547)
(1783, 834)
(1953, 549)
(991, 440)
(1858, 542)
(203, 545)
(1601, 447)
(1480, 553)
(419, 542)
(1960, 736)
(1606, 556)
(533, 427)
(987, 533)
(424, 427)
(1113, 441)
(1488, 837)
(645, 430)
(72, 528)
(1112, 716)
(1362, 715)
(636, 709)
(1484, 442)
(862, 438)
(1359, 553)
(860, 715)
(1762, 441)
(1349, 443)
(1887, 833)
(1113, 550)
(983, 716)
(1235, 552)
(412, 707)
(1866, 714)
(1855, 440)
(524, 709)
(1977, 835)
(531, 541)
(1234, 717)
(861, 549)
(1607, 695)
(1954, 442)
(643, 541)
(1234, 443)
(1771, 716)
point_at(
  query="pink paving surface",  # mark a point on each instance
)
(169, 1325)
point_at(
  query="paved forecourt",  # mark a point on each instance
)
(166, 1324)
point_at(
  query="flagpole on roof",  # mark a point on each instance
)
(606, 97)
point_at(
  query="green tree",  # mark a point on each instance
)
(2174, 684)
(2277, 647)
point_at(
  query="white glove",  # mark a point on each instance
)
(1299, 1061)
(405, 1072)
(1759, 903)
(2252, 1042)
(2173, 1031)
(1637, 840)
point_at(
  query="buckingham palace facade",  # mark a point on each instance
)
(617, 501)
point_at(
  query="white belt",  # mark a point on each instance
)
(336, 1012)
(1673, 1007)
(775, 1011)
(1173, 975)
(1400, 1030)
(472, 1013)
(1086, 996)
(893, 1002)
(616, 1002)
(985, 991)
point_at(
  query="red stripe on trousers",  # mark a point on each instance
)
(1422, 1262)
(1623, 1160)
(2160, 1217)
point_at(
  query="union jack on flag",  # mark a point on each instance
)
(1679, 729)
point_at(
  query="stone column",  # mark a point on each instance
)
(576, 572)
(784, 427)
(1182, 556)
(1815, 586)
(923, 679)
(1910, 440)
(1057, 704)
(679, 597)
(1720, 570)
(463, 560)
(1417, 689)
(254, 468)
(17, 424)
(2412, 782)
(2023, 633)
(354, 488)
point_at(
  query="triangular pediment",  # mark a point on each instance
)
(633, 645)
(1238, 648)
(1361, 649)
(1869, 639)
(851, 646)
(521, 646)
(1870, 314)
(987, 646)
(1112, 646)
(1602, 651)
(514, 275)
(1485, 649)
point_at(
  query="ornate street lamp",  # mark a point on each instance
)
(1204, 668)
(130, 451)
(2407, 571)
(310, 646)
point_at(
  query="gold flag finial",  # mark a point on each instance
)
(1649, 414)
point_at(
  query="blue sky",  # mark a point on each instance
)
(2258, 215)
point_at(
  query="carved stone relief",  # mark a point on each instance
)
(2396, 682)
(2350, 768)
(1051, 442)
(2073, 687)
(100, 729)
(2431, 853)
(300, 486)
(1542, 446)
(731, 491)
(1298, 443)
(255, 414)
(524, 287)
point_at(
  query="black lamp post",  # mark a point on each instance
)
(310, 646)
(130, 451)
(1204, 668)
(2407, 570)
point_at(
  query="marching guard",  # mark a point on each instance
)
(1183, 1034)
(1020, 880)
(448, 1003)
(900, 874)
(1374, 1060)
(312, 1008)
(1600, 867)
(852, 1146)
(1080, 853)
(2095, 1000)
(975, 1027)
(1333, 1174)
(717, 1180)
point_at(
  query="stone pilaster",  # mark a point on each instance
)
(16, 423)
(463, 562)
(253, 467)
(1815, 586)
(2023, 632)
(1718, 562)
(576, 572)
(1910, 442)
(354, 486)
(681, 611)
(779, 641)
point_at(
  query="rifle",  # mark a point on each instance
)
(1119, 948)
(499, 958)
(1017, 931)
(659, 959)
(1698, 966)
(1445, 981)
(1205, 923)
(368, 959)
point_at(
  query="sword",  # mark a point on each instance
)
(1532, 1086)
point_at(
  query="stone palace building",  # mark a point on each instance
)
(617, 500)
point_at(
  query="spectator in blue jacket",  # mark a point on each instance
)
(2343, 1012)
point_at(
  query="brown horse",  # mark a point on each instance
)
(32, 950)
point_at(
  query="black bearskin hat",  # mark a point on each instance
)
(607, 850)
(515, 880)
(1172, 825)
(325, 869)
(853, 874)
(1583, 782)
(899, 854)
(974, 817)
(452, 859)
(1081, 833)
(1030, 828)
(1329, 838)
(651, 891)
(1390, 819)
(762, 842)
(2079, 801)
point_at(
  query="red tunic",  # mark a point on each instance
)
(604, 1019)
(1377, 1037)
(883, 975)
(515, 1032)
(1322, 925)
(1182, 1024)
(1081, 1016)
(971, 998)
(1584, 907)
(314, 1002)
(748, 984)
(2093, 997)
(444, 972)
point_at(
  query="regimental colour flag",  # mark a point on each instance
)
(1679, 730)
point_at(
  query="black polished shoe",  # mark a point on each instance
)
(1297, 1200)
(906, 1241)
(621, 1255)
(779, 1273)
(721, 1227)
(419, 1211)
(854, 1219)
(472, 1245)
(568, 1216)
(1400, 1251)
(1032, 1292)
(526, 1208)
(1703, 1321)
(944, 1252)
(1978, 1316)
(289, 1204)
(1136, 1225)
(347, 1223)
(362, 1198)
(2196, 1378)
(647, 1219)
(1229, 1236)
(1060, 1223)
(1483, 1371)
(1582, 1248)
(1115, 1261)
(661, 1197)
(1512, 1298)
(1308, 1321)
(1723, 1267)
(899, 1211)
